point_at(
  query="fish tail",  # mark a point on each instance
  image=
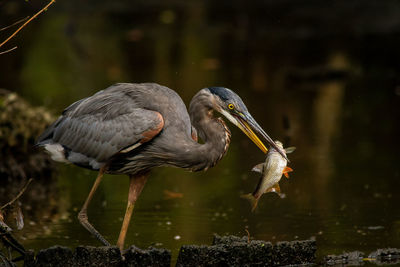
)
(253, 200)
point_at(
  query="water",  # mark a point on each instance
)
(331, 91)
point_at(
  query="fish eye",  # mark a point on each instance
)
(231, 106)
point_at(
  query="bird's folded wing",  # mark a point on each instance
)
(99, 136)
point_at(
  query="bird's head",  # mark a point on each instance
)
(229, 104)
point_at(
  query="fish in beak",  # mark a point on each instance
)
(250, 127)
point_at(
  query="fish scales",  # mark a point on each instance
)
(271, 173)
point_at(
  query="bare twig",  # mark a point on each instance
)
(17, 196)
(9, 50)
(15, 23)
(29, 20)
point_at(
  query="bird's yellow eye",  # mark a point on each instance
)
(231, 106)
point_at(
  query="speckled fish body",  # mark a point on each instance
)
(271, 173)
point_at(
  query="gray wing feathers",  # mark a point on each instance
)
(105, 123)
(100, 139)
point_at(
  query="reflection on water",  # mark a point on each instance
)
(333, 94)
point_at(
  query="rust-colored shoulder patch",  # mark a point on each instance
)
(151, 133)
(194, 134)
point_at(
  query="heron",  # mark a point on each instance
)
(131, 128)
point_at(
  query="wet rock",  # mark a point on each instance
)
(54, 256)
(237, 251)
(98, 257)
(239, 254)
(224, 251)
(192, 255)
(386, 255)
(151, 257)
(353, 258)
(294, 252)
(229, 239)
(29, 259)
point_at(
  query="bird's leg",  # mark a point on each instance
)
(82, 216)
(136, 184)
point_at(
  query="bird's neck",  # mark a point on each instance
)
(212, 131)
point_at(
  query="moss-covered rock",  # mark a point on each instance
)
(20, 125)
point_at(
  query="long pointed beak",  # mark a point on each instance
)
(248, 125)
